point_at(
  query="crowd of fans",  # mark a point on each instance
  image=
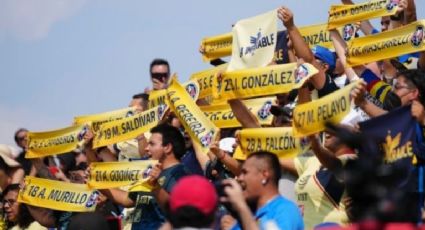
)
(336, 185)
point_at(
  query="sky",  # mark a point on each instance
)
(64, 58)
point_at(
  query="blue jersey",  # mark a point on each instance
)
(279, 213)
(147, 214)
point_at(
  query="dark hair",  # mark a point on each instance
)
(159, 61)
(272, 162)
(145, 100)
(24, 219)
(17, 132)
(189, 216)
(417, 78)
(143, 96)
(171, 135)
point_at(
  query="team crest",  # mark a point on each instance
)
(161, 181)
(161, 110)
(92, 199)
(348, 32)
(300, 73)
(304, 142)
(207, 139)
(146, 172)
(129, 113)
(264, 111)
(82, 133)
(417, 36)
(192, 90)
(393, 3)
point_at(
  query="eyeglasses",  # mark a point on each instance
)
(398, 86)
(21, 138)
(9, 202)
(159, 76)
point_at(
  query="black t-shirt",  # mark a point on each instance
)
(328, 87)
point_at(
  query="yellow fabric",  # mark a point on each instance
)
(128, 128)
(33, 226)
(157, 97)
(277, 140)
(261, 81)
(314, 204)
(239, 154)
(340, 15)
(388, 44)
(254, 41)
(199, 127)
(311, 117)
(116, 174)
(319, 35)
(48, 143)
(100, 118)
(58, 195)
(217, 46)
(222, 115)
(205, 79)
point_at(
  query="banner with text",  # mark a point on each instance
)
(128, 128)
(223, 117)
(388, 44)
(319, 35)
(254, 41)
(58, 195)
(100, 118)
(340, 15)
(279, 140)
(217, 47)
(205, 79)
(262, 81)
(199, 127)
(311, 117)
(41, 144)
(105, 175)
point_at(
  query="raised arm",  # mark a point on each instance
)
(302, 50)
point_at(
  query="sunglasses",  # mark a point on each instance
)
(21, 138)
(159, 76)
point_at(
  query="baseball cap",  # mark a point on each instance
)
(6, 153)
(325, 55)
(195, 191)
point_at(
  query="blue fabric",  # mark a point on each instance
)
(191, 162)
(325, 55)
(148, 214)
(282, 212)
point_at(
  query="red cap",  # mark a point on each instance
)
(195, 191)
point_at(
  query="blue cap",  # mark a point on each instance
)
(325, 55)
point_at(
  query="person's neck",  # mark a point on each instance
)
(268, 194)
(169, 162)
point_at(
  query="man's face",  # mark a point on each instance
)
(385, 23)
(160, 73)
(154, 148)
(11, 205)
(250, 179)
(406, 91)
(137, 103)
(22, 139)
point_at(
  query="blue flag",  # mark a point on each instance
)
(392, 138)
